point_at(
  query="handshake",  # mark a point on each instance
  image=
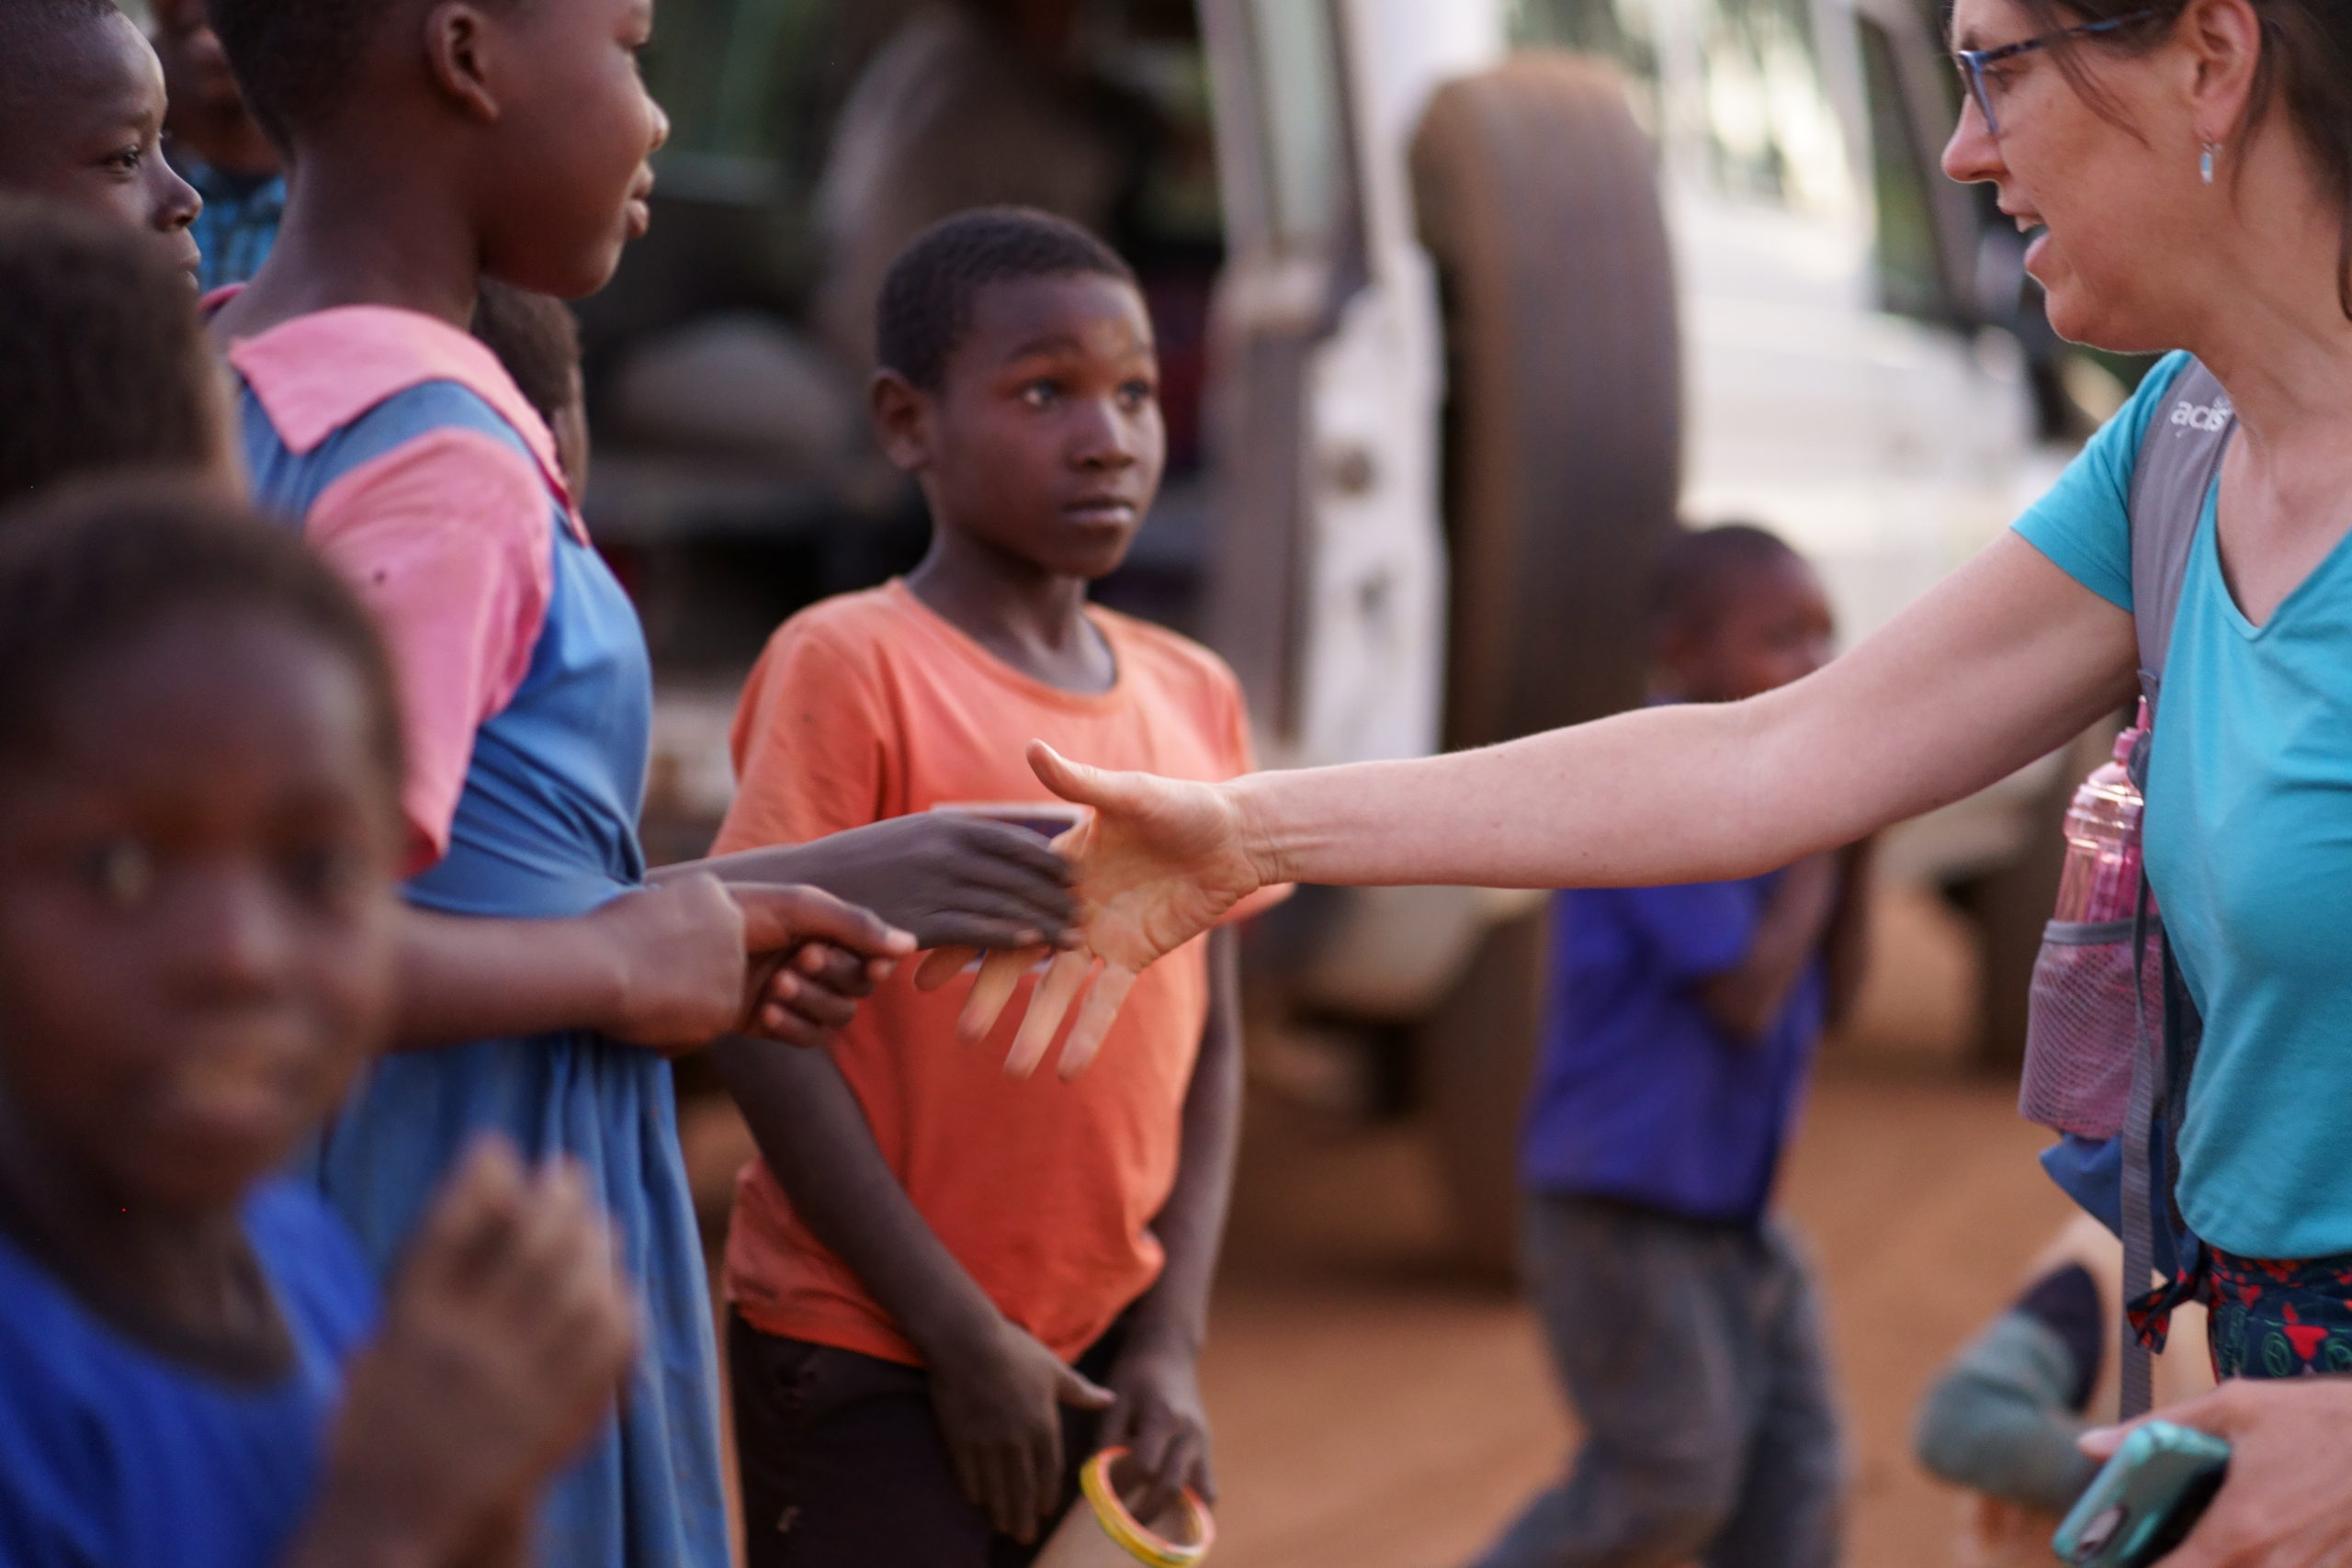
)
(1140, 865)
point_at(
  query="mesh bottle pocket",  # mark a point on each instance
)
(2083, 1026)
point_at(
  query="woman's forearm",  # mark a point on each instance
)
(1998, 665)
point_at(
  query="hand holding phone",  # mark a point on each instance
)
(2145, 1500)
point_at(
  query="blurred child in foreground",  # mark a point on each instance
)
(1681, 1025)
(200, 767)
(949, 1286)
(81, 122)
(103, 367)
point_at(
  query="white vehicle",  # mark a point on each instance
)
(1481, 296)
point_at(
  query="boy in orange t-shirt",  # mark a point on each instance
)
(950, 1286)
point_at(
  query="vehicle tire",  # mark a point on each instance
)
(1537, 196)
(1477, 1053)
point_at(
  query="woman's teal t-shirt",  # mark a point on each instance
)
(2249, 851)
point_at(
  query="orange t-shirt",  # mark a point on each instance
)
(870, 705)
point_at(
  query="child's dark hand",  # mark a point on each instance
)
(678, 962)
(507, 1337)
(1160, 1421)
(804, 997)
(953, 880)
(998, 1402)
(684, 951)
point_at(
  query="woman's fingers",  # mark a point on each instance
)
(942, 964)
(992, 988)
(1077, 782)
(1049, 1005)
(1094, 1020)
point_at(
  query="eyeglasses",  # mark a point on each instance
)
(1972, 61)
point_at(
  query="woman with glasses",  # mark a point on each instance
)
(2187, 168)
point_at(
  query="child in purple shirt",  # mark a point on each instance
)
(1681, 1023)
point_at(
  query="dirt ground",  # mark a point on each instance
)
(1375, 1411)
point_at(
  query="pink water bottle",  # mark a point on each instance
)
(2101, 879)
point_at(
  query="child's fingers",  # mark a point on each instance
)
(1000, 974)
(1167, 1454)
(470, 1223)
(1044, 1481)
(942, 964)
(1009, 1490)
(835, 971)
(1049, 1005)
(1094, 1020)
(782, 916)
(1203, 1477)
(563, 1232)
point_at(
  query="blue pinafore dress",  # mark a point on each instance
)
(546, 828)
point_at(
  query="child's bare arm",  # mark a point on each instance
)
(1159, 1415)
(996, 1390)
(1743, 1000)
(954, 880)
(666, 968)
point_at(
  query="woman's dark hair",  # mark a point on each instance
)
(2306, 68)
(537, 338)
(925, 306)
(103, 362)
(90, 571)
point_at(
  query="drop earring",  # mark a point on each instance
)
(2205, 163)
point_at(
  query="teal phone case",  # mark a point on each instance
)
(2143, 1502)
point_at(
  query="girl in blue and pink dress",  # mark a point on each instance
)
(433, 146)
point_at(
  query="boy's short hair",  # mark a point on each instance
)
(1700, 569)
(537, 338)
(925, 306)
(36, 37)
(103, 360)
(84, 572)
(294, 58)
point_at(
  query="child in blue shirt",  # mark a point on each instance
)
(199, 764)
(1681, 1023)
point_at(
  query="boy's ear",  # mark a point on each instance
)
(901, 420)
(455, 37)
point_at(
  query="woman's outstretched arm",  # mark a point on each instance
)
(2002, 662)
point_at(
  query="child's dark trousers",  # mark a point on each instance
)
(1692, 1355)
(844, 1466)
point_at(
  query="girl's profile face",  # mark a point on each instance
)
(94, 140)
(197, 910)
(580, 129)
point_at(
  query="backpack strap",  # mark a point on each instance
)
(2180, 456)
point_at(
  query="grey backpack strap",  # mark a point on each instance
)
(2179, 458)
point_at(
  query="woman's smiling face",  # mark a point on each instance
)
(2113, 185)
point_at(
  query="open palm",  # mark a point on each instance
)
(1159, 861)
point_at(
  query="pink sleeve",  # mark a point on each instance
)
(448, 538)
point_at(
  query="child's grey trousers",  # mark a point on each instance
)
(1692, 1355)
